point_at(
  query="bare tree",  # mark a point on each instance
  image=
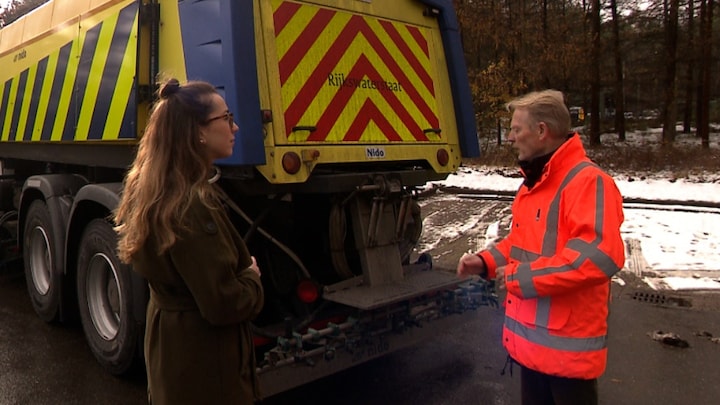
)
(619, 74)
(671, 36)
(639, 54)
(703, 105)
(690, 68)
(595, 75)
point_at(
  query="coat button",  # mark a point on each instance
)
(211, 227)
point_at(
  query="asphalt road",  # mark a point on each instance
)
(51, 364)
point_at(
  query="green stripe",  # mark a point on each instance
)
(67, 91)
(94, 78)
(26, 99)
(10, 109)
(123, 89)
(45, 95)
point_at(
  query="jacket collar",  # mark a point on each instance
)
(562, 159)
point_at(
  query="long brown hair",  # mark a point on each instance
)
(170, 167)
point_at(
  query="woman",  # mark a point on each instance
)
(204, 286)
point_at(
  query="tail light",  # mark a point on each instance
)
(307, 291)
(291, 162)
(443, 157)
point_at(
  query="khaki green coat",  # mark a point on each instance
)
(198, 343)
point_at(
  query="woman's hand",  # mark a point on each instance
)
(254, 267)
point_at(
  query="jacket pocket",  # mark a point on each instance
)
(544, 312)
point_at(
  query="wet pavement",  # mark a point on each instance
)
(44, 363)
(51, 364)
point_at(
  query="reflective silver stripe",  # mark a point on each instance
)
(525, 275)
(542, 313)
(541, 336)
(596, 256)
(599, 211)
(591, 251)
(523, 255)
(552, 223)
(499, 258)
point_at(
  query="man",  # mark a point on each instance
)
(556, 263)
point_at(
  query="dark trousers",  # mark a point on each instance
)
(542, 389)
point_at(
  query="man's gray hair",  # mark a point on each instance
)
(546, 106)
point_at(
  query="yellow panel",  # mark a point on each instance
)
(172, 57)
(122, 89)
(12, 35)
(358, 78)
(45, 95)
(96, 74)
(65, 96)
(64, 10)
(23, 118)
(10, 110)
(38, 22)
(97, 3)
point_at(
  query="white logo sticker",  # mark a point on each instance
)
(375, 153)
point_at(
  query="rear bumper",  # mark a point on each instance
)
(369, 334)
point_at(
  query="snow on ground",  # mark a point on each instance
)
(681, 248)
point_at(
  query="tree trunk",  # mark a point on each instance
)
(706, 15)
(690, 73)
(669, 108)
(619, 79)
(595, 75)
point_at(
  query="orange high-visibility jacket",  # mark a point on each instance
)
(562, 250)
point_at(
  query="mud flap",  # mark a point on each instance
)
(419, 279)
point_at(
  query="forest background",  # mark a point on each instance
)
(628, 64)
(622, 64)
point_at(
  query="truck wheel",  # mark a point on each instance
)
(105, 298)
(43, 280)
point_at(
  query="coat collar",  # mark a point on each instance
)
(561, 160)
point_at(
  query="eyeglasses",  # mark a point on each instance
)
(228, 116)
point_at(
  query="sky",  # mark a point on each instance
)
(683, 248)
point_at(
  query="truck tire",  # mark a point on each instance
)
(105, 299)
(42, 278)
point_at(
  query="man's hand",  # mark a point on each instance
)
(470, 264)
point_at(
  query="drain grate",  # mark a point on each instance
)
(650, 298)
(661, 299)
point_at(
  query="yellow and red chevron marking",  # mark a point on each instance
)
(352, 77)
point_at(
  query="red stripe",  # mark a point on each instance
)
(363, 68)
(409, 55)
(397, 71)
(326, 65)
(317, 78)
(369, 112)
(302, 44)
(420, 39)
(283, 15)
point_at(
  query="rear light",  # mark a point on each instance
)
(261, 341)
(307, 291)
(291, 162)
(443, 157)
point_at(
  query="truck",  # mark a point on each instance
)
(346, 110)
